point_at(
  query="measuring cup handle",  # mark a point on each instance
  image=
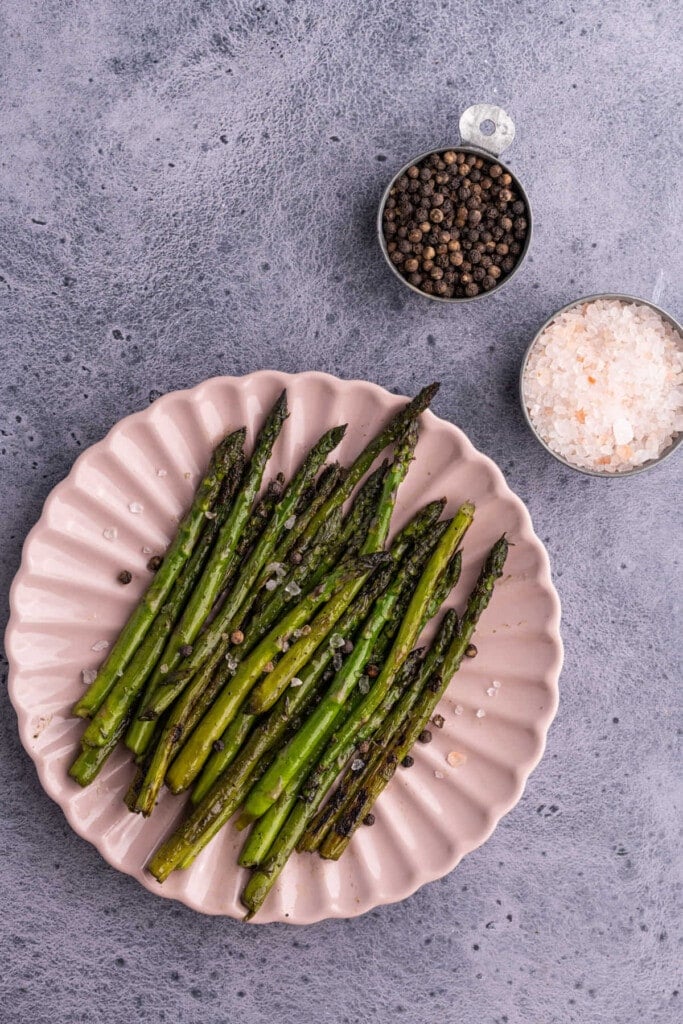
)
(504, 128)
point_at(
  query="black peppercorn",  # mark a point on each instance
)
(124, 576)
(154, 562)
(453, 234)
(408, 761)
(369, 818)
(425, 736)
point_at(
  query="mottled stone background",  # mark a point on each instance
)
(188, 189)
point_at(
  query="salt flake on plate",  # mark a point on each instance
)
(100, 645)
(136, 508)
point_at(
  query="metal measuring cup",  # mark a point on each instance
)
(489, 146)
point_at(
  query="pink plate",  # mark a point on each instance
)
(122, 500)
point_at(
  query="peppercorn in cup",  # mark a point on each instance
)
(454, 224)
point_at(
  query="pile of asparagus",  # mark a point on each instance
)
(273, 654)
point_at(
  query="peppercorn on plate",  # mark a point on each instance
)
(284, 647)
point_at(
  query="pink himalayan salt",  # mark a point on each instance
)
(603, 385)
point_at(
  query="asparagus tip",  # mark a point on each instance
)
(337, 433)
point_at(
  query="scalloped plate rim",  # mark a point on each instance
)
(495, 813)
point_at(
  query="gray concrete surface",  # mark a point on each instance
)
(188, 189)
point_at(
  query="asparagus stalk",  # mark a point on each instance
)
(264, 695)
(90, 760)
(217, 803)
(317, 729)
(222, 556)
(411, 626)
(263, 879)
(265, 830)
(131, 636)
(318, 559)
(119, 702)
(220, 802)
(423, 525)
(351, 782)
(394, 429)
(416, 719)
(243, 593)
(198, 747)
(330, 478)
(322, 555)
(422, 529)
(144, 730)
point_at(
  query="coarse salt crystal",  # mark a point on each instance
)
(162, 472)
(293, 589)
(146, 551)
(492, 691)
(231, 662)
(111, 533)
(210, 515)
(622, 430)
(455, 759)
(357, 764)
(337, 661)
(603, 385)
(457, 710)
(438, 775)
(337, 641)
(271, 584)
(163, 669)
(277, 568)
(364, 684)
(89, 675)
(480, 712)
(100, 645)
(289, 523)
(495, 684)
(296, 682)
(136, 508)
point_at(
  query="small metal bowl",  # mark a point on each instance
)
(570, 465)
(489, 147)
